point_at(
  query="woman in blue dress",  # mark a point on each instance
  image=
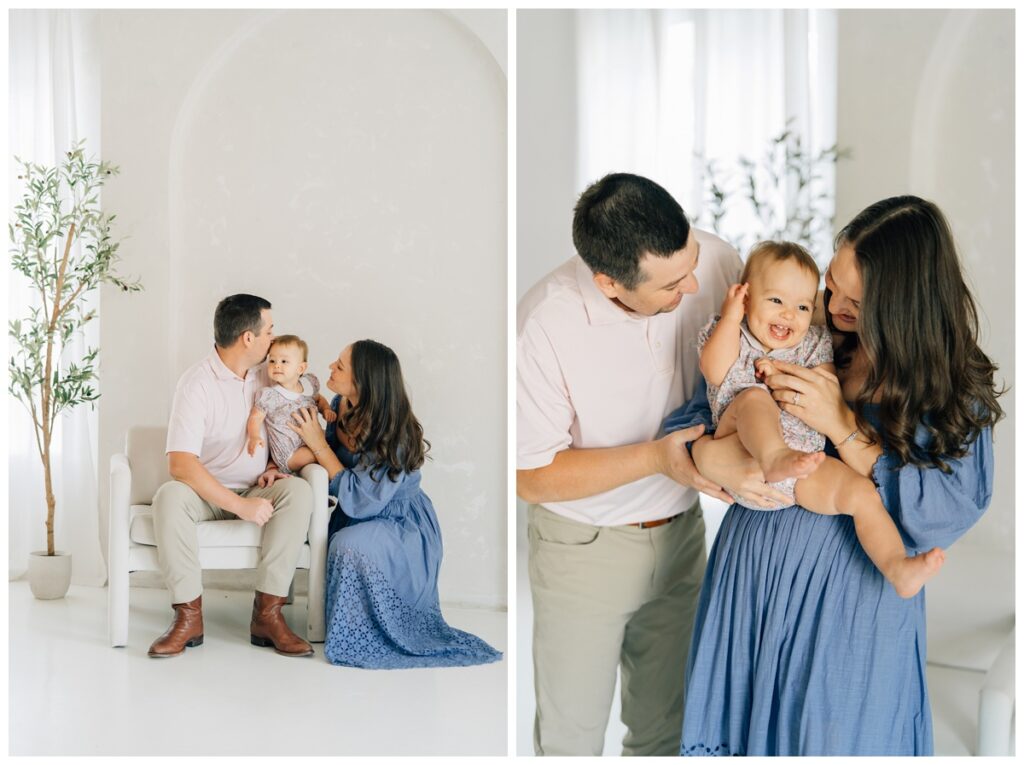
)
(800, 645)
(384, 553)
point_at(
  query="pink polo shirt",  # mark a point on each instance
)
(208, 417)
(590, 374)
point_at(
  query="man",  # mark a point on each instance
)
(606, 348)
(215, 478)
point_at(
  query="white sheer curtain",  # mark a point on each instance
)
(657, 87)
(53, 101)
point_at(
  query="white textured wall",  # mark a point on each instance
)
(350, 167)
(926, 104)
(546, 142)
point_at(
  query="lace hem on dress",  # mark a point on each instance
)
(702, 750)
(371, 626)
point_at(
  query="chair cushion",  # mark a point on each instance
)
(236, 533)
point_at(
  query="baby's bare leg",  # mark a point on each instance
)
(754, 415)
(300, 458)
(836, 489)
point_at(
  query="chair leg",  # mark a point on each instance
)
(315, 609)
(117, 607)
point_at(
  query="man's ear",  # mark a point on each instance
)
(608, 286)
(248, 338)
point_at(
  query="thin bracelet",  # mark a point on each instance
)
(844, 442)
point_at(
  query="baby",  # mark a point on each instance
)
(294, 389)
(768, 316)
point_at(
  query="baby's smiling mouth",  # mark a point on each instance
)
(779, 332)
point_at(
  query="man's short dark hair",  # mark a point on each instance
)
(236, 315)
(621, 218)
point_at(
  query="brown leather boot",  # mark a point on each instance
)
(268, 627)
(186, 631)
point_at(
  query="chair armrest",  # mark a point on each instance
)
(120, 506)
(316, 477)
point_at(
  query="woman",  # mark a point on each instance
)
(385, 545)
(800, 645)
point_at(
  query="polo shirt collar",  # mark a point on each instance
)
(600, 310)
(220, 370)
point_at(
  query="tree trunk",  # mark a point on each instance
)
(51, 501)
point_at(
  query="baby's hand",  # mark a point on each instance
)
(763, 367)
(253, 445)
(733, 305)
(330, 415)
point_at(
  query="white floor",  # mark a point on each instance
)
(72, 694)
(953, 691)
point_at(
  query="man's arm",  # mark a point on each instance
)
(186, 467)
(578, 473)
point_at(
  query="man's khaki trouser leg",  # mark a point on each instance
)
(588, 584)
(177, 509)
(657, 642)
(283, 534)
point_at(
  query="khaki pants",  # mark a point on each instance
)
(177, 509)
(606, 597)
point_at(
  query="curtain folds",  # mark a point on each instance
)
(54, 101)
(659, 87)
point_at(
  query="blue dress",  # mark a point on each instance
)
(383, 558)
(800, 646)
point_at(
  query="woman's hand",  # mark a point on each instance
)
(307, 426)
(814, 396)
(724, 461)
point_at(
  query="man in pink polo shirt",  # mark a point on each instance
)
(606, 348)
(215, 478)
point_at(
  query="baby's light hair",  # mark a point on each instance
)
(770, 251)
(295, 341)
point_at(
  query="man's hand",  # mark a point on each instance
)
(255, 509)
(268, 476)
(674, 461)
(735, 301)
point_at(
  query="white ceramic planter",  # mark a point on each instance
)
(49, 576)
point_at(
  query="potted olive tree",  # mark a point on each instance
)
(60, 242)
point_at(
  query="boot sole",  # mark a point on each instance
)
(268, 643)
(192, 643)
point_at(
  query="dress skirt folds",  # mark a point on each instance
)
(382, 609)
(800, 645)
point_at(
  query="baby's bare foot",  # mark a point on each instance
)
(910, 574)
(789, 463)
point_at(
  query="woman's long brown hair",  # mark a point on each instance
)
(382, 424)
(918, 326)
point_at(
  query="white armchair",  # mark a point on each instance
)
(135, 477)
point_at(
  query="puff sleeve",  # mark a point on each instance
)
(363, 495)
(696, 411)
(932, 508)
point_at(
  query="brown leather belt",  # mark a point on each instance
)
(653, 524)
